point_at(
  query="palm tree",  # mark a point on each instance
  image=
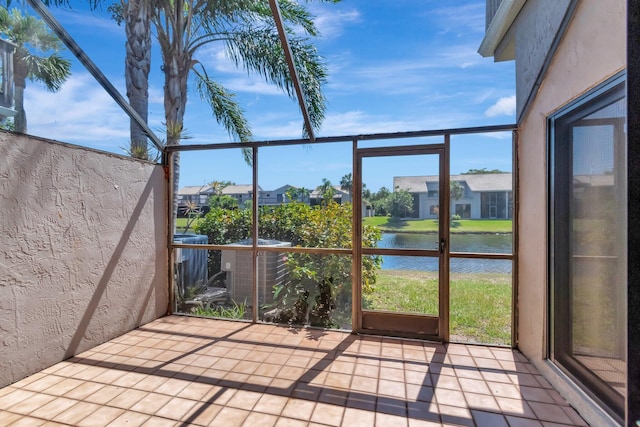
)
(137, 19)
(136, 15)
(456, 190)
(346, 183)
(249, 34)
(327, 191)
(28, 32)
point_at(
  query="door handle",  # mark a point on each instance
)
(443, 245)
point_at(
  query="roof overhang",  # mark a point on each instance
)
(500, 24)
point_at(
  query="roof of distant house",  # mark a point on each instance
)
(475, 182)
(192, 190)
(239, 189)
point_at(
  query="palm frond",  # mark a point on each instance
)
(52, 70)
(259, 50)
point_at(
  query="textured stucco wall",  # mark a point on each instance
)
(83, 254)
(537, 25)
(592, 50)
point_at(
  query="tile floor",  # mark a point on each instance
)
(180, 371)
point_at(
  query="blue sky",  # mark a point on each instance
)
(393, 66)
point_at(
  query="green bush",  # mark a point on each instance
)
(315, 284)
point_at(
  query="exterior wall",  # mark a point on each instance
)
(593, 49)
(537, 25)
(83, 256)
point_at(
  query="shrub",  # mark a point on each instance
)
(315, 284)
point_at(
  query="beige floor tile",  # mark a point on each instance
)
(482, 402)
(338, 381)
(101, 417)
(392, 388)
(455, 416)
(159, 422)
(64, 386)
(76, 413)
(473, 386)
(202, 414)
(53, 408)
(151, 403)
(549, 412)
(28, 422)
(504, 390)
(105, 394)
(358, 418)
(30, 404)
(256, 419)
(419, 393)
(522, 422)
(176, 408)
(298, 409)
(366, 370)
(515, 407)
(290, 422)
(109, 376)
(327, 414)
(150, 383)
(364, 384)
(229, 417)
(386, 420)
(9, 417)
(84, 390)
(43, 383)
(450, 397)
(488, 419)
(127, 398)
(445, 382)
(243, 399)
(270, 404)
(129, 379)
(171, 387)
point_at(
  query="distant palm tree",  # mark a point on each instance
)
(28, 32)
(327, 191)
(346, 183)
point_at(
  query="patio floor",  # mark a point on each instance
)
(179, 371)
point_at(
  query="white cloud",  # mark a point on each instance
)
(88, 21)
(503, 107)
(331, 22)
(453, 19)
(81, 113)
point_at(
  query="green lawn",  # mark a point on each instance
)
(415, 225)
(480, 304)
(181, 223)
(395, 225)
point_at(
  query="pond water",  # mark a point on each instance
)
(482, 243)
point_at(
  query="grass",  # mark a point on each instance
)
(480, 303)
(237, 311)
(395, 225)
(181, 223)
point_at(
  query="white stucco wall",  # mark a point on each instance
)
(592, 50)
(83, 254)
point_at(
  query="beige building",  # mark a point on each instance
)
(571, 59)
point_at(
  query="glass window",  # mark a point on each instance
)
(588, 243)
(463, 210)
